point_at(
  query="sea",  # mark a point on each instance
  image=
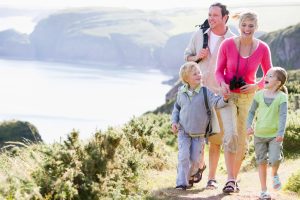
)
(58, 98)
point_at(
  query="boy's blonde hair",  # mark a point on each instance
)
(185, 69)
(281, 76)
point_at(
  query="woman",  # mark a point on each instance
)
(238, 61)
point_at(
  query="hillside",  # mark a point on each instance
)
(284, 45)
(100, 35)
(134, 161)
(15, 45)
(13, 131)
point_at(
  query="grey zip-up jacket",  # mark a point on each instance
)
(191, 113)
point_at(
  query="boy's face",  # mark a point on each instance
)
(271, 81)
(194, 77)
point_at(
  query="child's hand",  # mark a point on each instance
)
(225, 89)
(175, 128)
(250, 131)
(226, 97)
(279, 139)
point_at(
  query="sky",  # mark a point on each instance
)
(136, 4)
(26, 22)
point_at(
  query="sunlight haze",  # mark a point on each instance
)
(145, 5)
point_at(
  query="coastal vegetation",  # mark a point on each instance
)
(113, 164)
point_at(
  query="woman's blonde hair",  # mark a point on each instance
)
(281, 76)
(246, 15)
(185, 69)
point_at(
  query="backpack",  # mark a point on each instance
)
(204, 27)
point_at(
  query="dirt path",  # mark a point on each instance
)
(163, 186)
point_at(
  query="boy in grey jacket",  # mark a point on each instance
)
(189, 119)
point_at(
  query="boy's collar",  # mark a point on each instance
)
(185, 88)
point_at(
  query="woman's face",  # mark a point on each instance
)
(247, 28)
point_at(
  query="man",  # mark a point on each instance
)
(218, 31)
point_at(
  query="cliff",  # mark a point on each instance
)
(284, 45)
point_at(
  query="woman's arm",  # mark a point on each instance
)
(220, 69)
(221, 63)
(266, 64)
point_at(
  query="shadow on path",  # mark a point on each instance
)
(195, 193)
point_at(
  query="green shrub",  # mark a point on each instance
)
(106, 167)
(292, 137)
(15, 173)
(293, 183)
(149, 134)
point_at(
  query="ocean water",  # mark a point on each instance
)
(58, 98)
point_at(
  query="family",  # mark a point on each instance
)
(222, 75)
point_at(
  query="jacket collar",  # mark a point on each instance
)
(185, 88)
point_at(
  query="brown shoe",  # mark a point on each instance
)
(198, 175)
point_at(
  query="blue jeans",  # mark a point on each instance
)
(189, 151)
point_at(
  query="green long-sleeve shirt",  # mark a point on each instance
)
(271, 115)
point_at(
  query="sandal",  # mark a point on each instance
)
(276, 183)
(198, 176)
(191, 183)
(265, 196)
(212, 184)
(237, 188)
(229, 187)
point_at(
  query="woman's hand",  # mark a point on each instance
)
(249, 88)
(175, 128)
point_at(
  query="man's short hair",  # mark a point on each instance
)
(223, 7)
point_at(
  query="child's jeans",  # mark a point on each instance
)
(189, 151)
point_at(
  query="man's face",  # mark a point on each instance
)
(215, 18)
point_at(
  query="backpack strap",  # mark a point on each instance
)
(208, 111)
(204, 27)
(177, 106)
